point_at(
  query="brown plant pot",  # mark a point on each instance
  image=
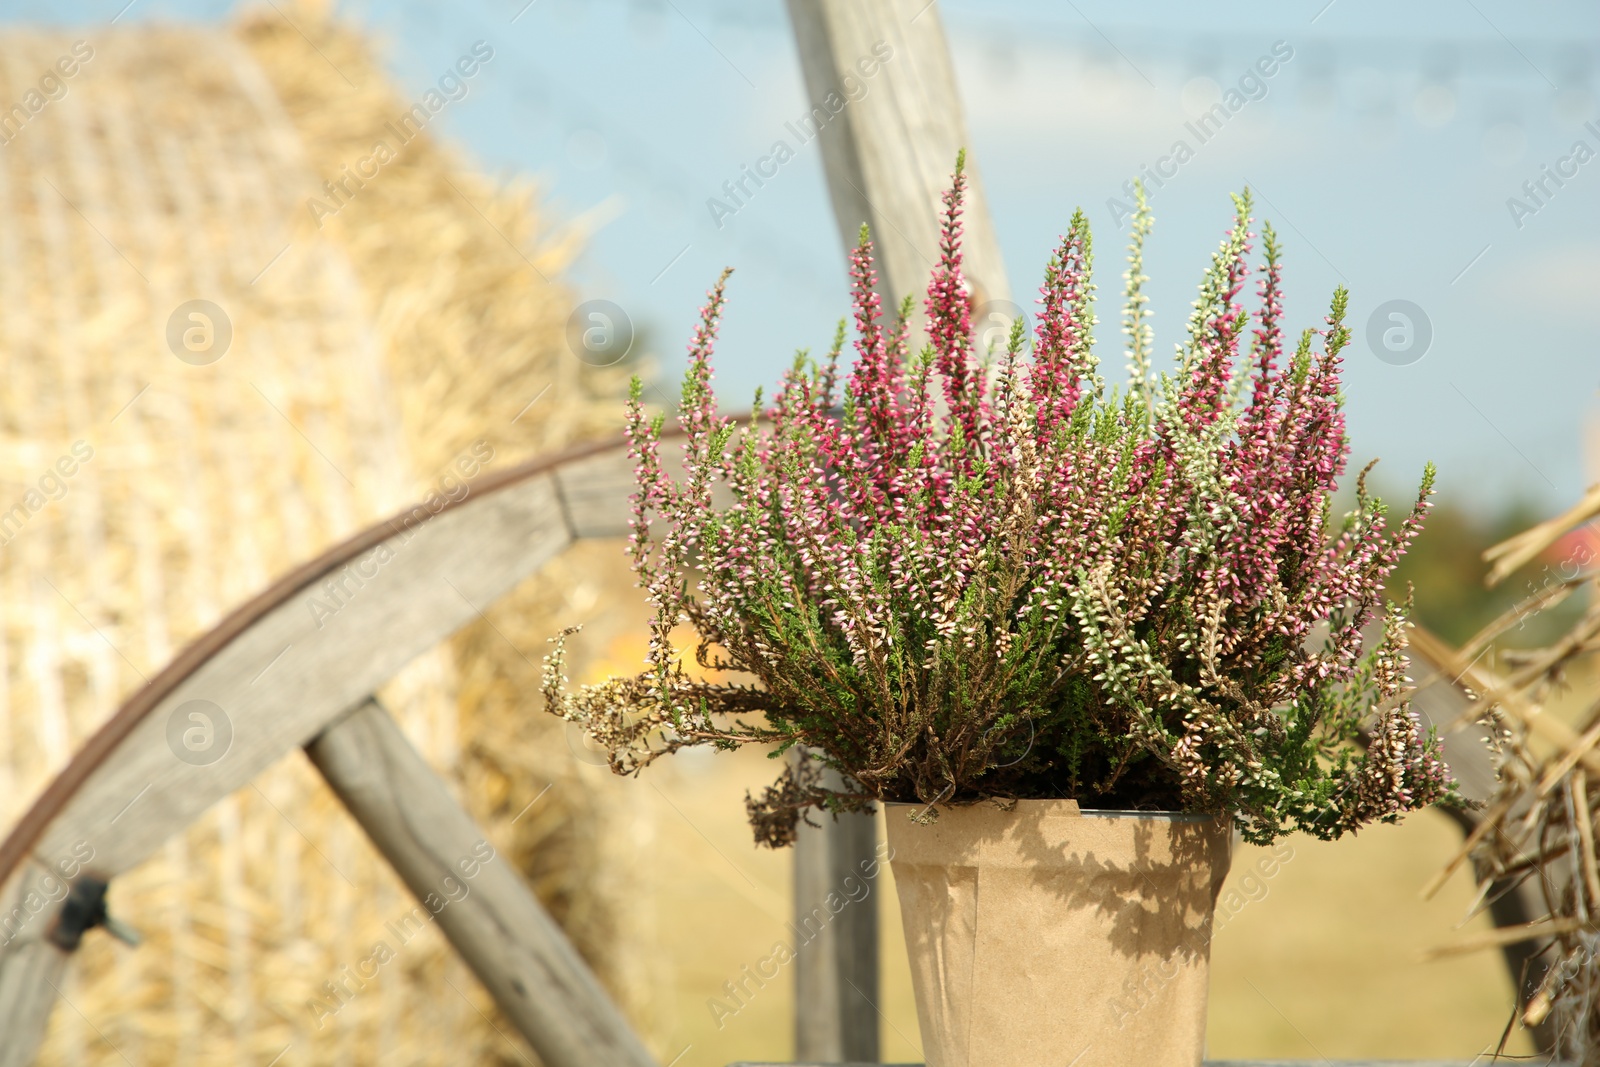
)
(1045, 933)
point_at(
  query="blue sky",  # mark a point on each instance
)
(1385, 150)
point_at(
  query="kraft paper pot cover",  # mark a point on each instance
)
(1043, 933)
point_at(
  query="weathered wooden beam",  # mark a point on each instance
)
(882, 87)
(836, 944)
(479, 901)
(889, 151)
(31, 967)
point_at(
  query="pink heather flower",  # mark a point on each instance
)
(1037, 585)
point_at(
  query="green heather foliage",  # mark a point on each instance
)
(959, 576)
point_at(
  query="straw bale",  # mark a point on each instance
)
(363, 360)
(455, 268)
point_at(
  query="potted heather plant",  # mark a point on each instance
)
(1071, 634)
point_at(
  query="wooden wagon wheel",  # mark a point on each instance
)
(275, 675)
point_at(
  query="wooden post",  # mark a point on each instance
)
(888, 154)
(477, 898)
(836, 955)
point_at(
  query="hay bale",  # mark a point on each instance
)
(455, 270)
(363, 359)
